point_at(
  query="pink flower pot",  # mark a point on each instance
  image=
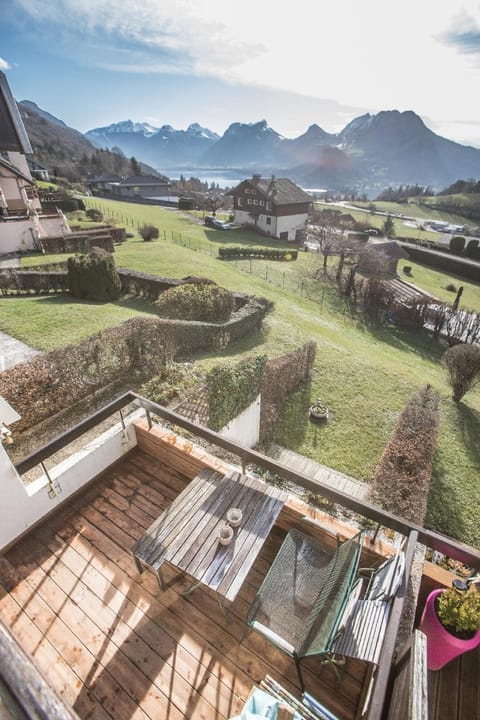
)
(442, 646)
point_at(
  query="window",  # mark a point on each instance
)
(261, 202)
(239, 202)
(249, 202)
(269, 220)
(255, 202)
(247, 191)
(269, 206)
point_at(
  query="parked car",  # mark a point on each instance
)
(212, 222)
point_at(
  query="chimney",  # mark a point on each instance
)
(256, 177)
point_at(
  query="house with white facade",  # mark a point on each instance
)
(23, 222)
(273, 206)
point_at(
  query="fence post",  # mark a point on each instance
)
(283, 281)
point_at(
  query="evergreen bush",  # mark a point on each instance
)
(193, 301)
(457, 243)
(93, 276)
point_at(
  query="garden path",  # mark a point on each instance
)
(12, 351)
(333, 478)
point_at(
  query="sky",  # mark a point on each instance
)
(96, 62)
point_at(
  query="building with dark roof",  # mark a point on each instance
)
(141, 186)
(22, 220)
(274, 206)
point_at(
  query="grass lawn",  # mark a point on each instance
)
(364, 373)
(435, 282)
(416, 209)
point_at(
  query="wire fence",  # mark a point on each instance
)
(288, 279)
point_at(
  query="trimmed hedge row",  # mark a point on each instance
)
(229, 253)
(51, 382)
(232, 389)
(445, 261)
(401, 480)
(28, 281)
(282, 376)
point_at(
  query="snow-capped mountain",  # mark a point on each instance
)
(163, 146)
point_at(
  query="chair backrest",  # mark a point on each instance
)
(386, 580)
(329, 606)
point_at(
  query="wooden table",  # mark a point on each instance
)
(186, 534)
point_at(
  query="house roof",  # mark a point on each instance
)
(144, 180)
(8, 165)
(281, 191)
(13, 136)
(390, 248)
(106, 178)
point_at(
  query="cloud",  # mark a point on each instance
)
(143, 35)
(4, 65)
(464, 34)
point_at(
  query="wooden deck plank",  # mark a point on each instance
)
(173, 656)
(323, 474)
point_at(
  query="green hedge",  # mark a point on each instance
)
(230, 253)
(196, 302)
(232, 389)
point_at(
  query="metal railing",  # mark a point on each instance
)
(415, 534)
(434, 540)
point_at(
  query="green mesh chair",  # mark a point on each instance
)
(300, 603)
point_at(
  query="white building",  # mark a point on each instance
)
(22, 220)
(273, 206)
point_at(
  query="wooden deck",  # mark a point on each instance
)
(454, 691)
(324, 474)
(112, 644)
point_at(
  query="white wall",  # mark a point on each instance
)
(16, 235)
(286, 223)
(245, 428)
(290, 224)
(24, 505)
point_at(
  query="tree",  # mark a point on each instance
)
(327, 237)
(134, 166)
(149, 232)
(463, 365)
(457, 243)
(388, 227)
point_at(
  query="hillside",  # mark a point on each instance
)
(65, 152)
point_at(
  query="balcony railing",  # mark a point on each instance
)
(436, 541)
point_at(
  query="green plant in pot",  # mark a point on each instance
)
(451, 622)
(459, 612)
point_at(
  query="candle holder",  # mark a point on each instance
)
(234, 517)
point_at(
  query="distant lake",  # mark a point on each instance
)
(224, 177)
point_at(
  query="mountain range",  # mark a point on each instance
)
(369, 154)
(66, 152)
(387, 148)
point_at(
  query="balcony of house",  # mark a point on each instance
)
(117, 642)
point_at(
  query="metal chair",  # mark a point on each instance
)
(302, 598)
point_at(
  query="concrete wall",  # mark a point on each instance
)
(25, 505)
(245, 428)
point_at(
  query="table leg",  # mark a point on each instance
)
(191, 588)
